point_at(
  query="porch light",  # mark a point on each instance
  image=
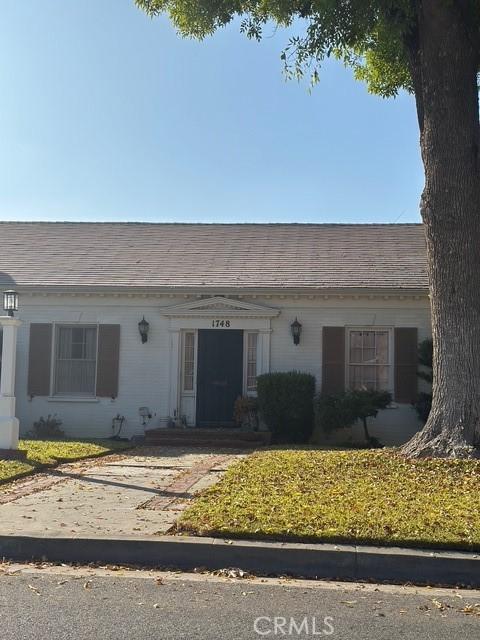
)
(10, 302)
(143, 327)
(296, 328)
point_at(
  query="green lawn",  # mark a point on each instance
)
(343, 496)
(49, 453)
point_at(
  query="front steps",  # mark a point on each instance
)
(197, 437)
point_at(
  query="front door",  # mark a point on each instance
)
(219, 375)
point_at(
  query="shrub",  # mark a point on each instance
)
(423, 404)
(425, 359)
(342, 410)
(48, 427)
(285, 403)
(333, 412)
(366, 404)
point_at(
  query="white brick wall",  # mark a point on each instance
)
(392, 426)
(144, 368)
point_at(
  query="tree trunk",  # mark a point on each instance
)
(365, 430)
(444, 62)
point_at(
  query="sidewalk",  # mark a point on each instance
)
(140, 493)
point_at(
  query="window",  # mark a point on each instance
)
(369, 359)
(252, 362)
(75, 360)
(188, 361)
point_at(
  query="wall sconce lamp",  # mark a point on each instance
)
(296, 328)
(143, 327)
(10, 302)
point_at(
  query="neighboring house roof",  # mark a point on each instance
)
(169, 256)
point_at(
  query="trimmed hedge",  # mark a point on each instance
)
(285, 403)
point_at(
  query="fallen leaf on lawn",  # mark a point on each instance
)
(231, 572)
(471, 609)
(201, 570)
(441, 606)
(34, 589)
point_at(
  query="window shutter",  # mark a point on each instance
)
(333, 368)
(108, 360)
(39, 359)
(406, 363)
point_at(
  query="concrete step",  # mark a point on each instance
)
(210, 444)
(208, 437)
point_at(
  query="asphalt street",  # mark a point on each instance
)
(84, 604)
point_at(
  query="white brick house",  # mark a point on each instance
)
(220, 301)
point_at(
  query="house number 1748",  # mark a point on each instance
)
(216, 324)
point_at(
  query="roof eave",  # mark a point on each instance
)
(216, 290)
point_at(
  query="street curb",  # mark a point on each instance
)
(396, 565)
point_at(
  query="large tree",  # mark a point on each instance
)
(430, 48)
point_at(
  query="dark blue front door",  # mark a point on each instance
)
(219, 375)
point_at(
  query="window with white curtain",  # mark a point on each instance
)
(252, 361)
(75, 360)
(369, 359)
(188, 361)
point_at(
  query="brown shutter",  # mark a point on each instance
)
(406, 363)
(39, 359)
(333, 368)
(108, 359)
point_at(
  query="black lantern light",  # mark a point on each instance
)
(10, 301)
(296, 331)
(143, 327)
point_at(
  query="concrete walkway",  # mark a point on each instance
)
(141, 492)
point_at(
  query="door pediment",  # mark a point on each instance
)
(212, 307)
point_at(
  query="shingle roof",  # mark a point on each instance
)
(156, 256)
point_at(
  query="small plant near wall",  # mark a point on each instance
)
(333, 412)
(47, 428)
(366, 404)
(285, 404)
(423, 403)
(245, 413)
(342, 410)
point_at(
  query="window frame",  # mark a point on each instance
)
(391, 354)
(71, 394)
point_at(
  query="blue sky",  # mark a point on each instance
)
(108, 115)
